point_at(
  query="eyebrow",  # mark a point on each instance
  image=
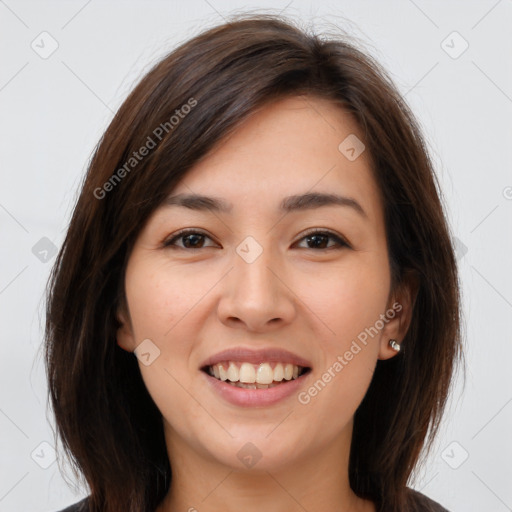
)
(300, 202)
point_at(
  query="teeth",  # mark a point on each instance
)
(222, 372)
(279, 372)
(233, 373)
(251, 376)
(265, 374)
(247, 373)
(252, 386)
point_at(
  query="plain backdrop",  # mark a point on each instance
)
(65, 69)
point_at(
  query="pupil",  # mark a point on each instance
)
(194, 238)
(316, 237)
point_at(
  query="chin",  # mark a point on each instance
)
(255, 450)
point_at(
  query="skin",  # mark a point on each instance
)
(194, 302)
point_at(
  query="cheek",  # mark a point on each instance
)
(160, 297)
(161, 301)
(349, 299)
(350, 302)
(332, 399)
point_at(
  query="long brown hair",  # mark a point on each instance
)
(106, 420)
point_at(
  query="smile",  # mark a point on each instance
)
(255, 376)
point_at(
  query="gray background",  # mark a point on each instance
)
(55, 107)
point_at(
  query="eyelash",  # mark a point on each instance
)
(170, 243)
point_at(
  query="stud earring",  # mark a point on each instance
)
(394, 345)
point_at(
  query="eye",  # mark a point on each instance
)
(319, 239)
(192, 239)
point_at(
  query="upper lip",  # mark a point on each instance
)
(256, 356)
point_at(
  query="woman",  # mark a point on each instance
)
(257, 303)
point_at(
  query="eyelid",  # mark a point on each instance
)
(169, 241)
(341, 241)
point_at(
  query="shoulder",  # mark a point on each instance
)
(422, 503)
(81, 506)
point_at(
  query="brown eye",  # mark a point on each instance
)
(190, 240)
(316, 240)
(320, 240)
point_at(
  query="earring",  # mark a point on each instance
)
(394, 345)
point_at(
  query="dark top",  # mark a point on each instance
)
(422, 504)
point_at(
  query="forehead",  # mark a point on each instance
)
(288, 147)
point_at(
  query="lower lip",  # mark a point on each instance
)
(255, 397)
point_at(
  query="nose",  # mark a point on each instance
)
(255, 296)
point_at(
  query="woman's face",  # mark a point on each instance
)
(252, 279)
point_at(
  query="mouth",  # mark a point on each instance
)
(265, 375)
(249, 377)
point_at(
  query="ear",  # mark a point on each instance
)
(399, 314)
(124, 335)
